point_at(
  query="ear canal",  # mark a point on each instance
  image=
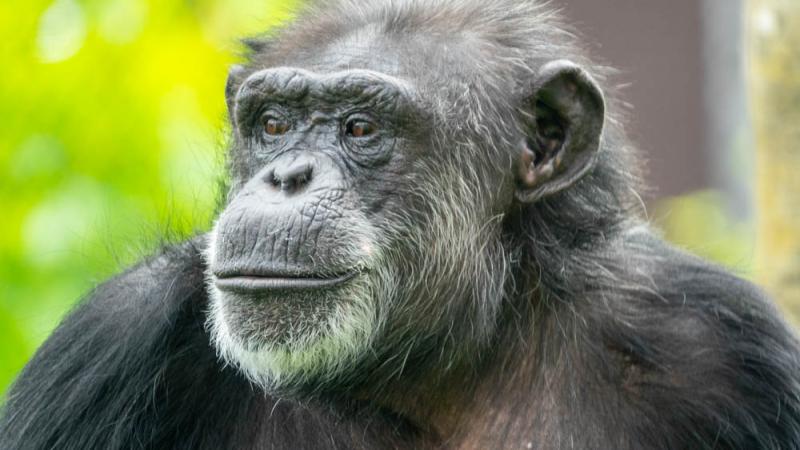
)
(569, 110)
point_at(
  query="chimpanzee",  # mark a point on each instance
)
(432, 239)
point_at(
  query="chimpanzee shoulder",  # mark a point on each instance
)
(132, 367)
(701, 354)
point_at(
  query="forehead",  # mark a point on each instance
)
(363, 48)
(449, 72)
(445, 69)
(419, 58)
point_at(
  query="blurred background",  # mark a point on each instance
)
(112, 124)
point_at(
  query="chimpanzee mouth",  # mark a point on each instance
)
(248, 282)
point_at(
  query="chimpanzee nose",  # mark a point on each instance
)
(291, 177)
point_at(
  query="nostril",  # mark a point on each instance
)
(304, 177)
(292, 178)
(272, 179)
(299, 179)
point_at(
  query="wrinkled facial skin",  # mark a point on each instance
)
(310, 146)
(332, 250)
(289, 255)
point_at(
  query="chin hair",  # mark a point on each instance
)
(328, 352)
(321, 354)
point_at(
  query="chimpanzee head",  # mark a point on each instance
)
(375, 167)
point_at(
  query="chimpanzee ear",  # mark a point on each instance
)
(236, 75)
(562, 144)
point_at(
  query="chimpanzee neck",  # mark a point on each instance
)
(524, 389)
(503, 399)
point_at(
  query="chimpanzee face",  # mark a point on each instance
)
(365, 220)
(293, 254)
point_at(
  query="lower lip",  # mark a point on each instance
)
(256, 284)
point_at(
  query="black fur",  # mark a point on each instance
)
(607, 337)
(132, 368)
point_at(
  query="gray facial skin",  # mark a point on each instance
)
(290, 257)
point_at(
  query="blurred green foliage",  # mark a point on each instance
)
(111, 119)
(702, 224)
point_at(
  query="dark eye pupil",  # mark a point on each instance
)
(360, 128)
(275, 127)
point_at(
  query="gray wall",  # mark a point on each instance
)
(682, 60)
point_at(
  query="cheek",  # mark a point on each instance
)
(446, 247)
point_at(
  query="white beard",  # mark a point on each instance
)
(321, 352)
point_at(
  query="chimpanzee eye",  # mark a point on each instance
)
(359, 128)
(274, 126)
